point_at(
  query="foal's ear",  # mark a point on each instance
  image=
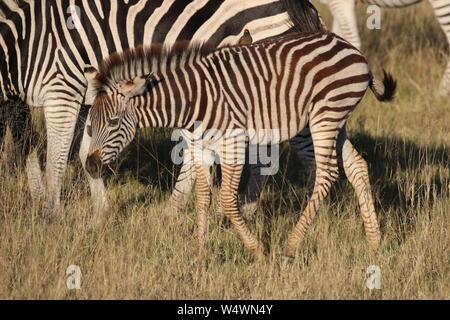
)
(137, 86)
(90, 73)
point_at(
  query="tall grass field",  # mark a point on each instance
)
(146, 251)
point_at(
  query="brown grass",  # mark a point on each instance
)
(144, 254)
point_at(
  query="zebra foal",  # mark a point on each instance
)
(279, 85)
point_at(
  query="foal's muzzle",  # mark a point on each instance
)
(94, 164)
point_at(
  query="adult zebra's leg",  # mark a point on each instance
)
(257, 180)
(183, 186)
(255, 185)
(187, 178)
(325, 141)
(345, 23)
(24, 124)
(336, 27)
(60, 123)
(442, 11)
(357, 173)
(96, 185)
(33, 167)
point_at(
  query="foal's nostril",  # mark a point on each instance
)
(94, 163)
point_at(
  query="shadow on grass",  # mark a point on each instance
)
(394, 165)
(396, 169)
(391, 161)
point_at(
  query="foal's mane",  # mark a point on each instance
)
(123, 63)
(126, 65)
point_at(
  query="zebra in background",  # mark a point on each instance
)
(345, 24)
(45, 47)
(282, 84)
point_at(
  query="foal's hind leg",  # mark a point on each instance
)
(325, 140)
(357, 173)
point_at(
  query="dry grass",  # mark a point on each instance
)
(142, 253)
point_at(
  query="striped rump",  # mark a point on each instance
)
(281, 85)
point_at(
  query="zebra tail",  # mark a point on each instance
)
(384, 90)
(303, 15)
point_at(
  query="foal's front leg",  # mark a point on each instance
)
(232, 158)
(324, 139)
(203, 189)
(231, 174)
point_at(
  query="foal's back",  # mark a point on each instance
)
(281, 82)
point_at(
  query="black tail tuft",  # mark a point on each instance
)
(384, 90)
(304, 15)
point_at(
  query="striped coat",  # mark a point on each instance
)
(46, 45)
(281, 85)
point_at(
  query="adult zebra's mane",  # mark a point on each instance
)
(304, 16)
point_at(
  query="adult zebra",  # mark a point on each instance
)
(345, 23)
(46, 45)
(282, 85)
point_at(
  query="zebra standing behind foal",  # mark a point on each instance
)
(282, 84)
(45, 45)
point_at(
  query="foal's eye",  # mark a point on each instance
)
(113, 121)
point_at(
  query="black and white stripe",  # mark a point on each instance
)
(282, 85)
(46, 45)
